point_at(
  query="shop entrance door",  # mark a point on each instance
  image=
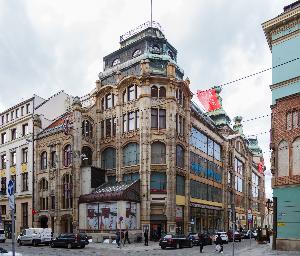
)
(157, 229)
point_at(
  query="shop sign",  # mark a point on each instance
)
(204, 206)
(179, 213)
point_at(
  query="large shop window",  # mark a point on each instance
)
(179, 156)
(44, 160)
(67, 199)
(108, 159)
(86, 156)
(198, 165)
(180, 185)
(158, 118)
(238, 166)
(238, 184)
(198, 140)
(158, 153)
(158, 182)
(198, 190)
(87, 129)
(131, 154)
(129, 177)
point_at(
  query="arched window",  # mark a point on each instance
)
(179, 156)
(283, 159)
(43, 184)
(67, 191)
(116, 62)
(44, 160)
(108, 159)
(87, 129)
(296, 156)
(86, 156)
(67, 155)
(158, 153)
(136, 53)
(131, 154)
(162, 92)
(154, 91)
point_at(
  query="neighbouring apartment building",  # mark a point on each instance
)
(283, 36)
(143, 151)
(16, 155)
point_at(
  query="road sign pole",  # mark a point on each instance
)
(12, 211)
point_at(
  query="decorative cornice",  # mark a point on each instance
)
(284, 83)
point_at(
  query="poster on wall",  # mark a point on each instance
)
(131, 212)
(179, 213)
(102, 216)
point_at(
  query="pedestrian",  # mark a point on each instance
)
(201, 241)
(219, 244)
(146, 234)
(126, 237)
(118, 237)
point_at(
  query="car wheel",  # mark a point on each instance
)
(52, 245)
(82, 246)
(177, 246)
(69, 246)
(34, 243)
(191, 244)
(163, 247)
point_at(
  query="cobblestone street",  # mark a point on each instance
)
(242, 248)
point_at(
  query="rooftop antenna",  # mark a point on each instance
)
(151, 13)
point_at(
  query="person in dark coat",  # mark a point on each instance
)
(146, 236)
(201, 241)
(126, 237)
(219, 241)
(118, 238)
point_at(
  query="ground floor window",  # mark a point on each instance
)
(207, 220)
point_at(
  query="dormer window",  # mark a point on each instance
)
(116, 62)
(171, 55)
(155, 49)
(136, 53)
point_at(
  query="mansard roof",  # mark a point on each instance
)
(119, 191)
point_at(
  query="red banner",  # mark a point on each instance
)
(209, 99)
(260, 167)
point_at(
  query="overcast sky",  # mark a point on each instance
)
(52, 45)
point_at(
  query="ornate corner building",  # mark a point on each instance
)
(141, 151)
(283, 36)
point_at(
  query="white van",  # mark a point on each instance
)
(35, 236)
(2, 235)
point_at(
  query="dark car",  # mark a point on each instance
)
(237, 236)
(175, 241)
(85, 237)
(69, 240)
(196, 241)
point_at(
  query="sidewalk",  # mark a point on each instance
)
(137, 247)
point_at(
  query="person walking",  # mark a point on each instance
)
(126, 237)
(146, 236)
(118, 237)
(201, 241)
(219, 244)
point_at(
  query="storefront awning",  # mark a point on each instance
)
(119, 191)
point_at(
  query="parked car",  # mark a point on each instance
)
(69, 240)
(195, 237)
(35, 236)
(176, 241)
(85, 237)
(246, 234)
(237, 236)
(223, 236)
(2, 235)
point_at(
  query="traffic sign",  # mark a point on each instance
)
(10, 187)
(11, 202)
